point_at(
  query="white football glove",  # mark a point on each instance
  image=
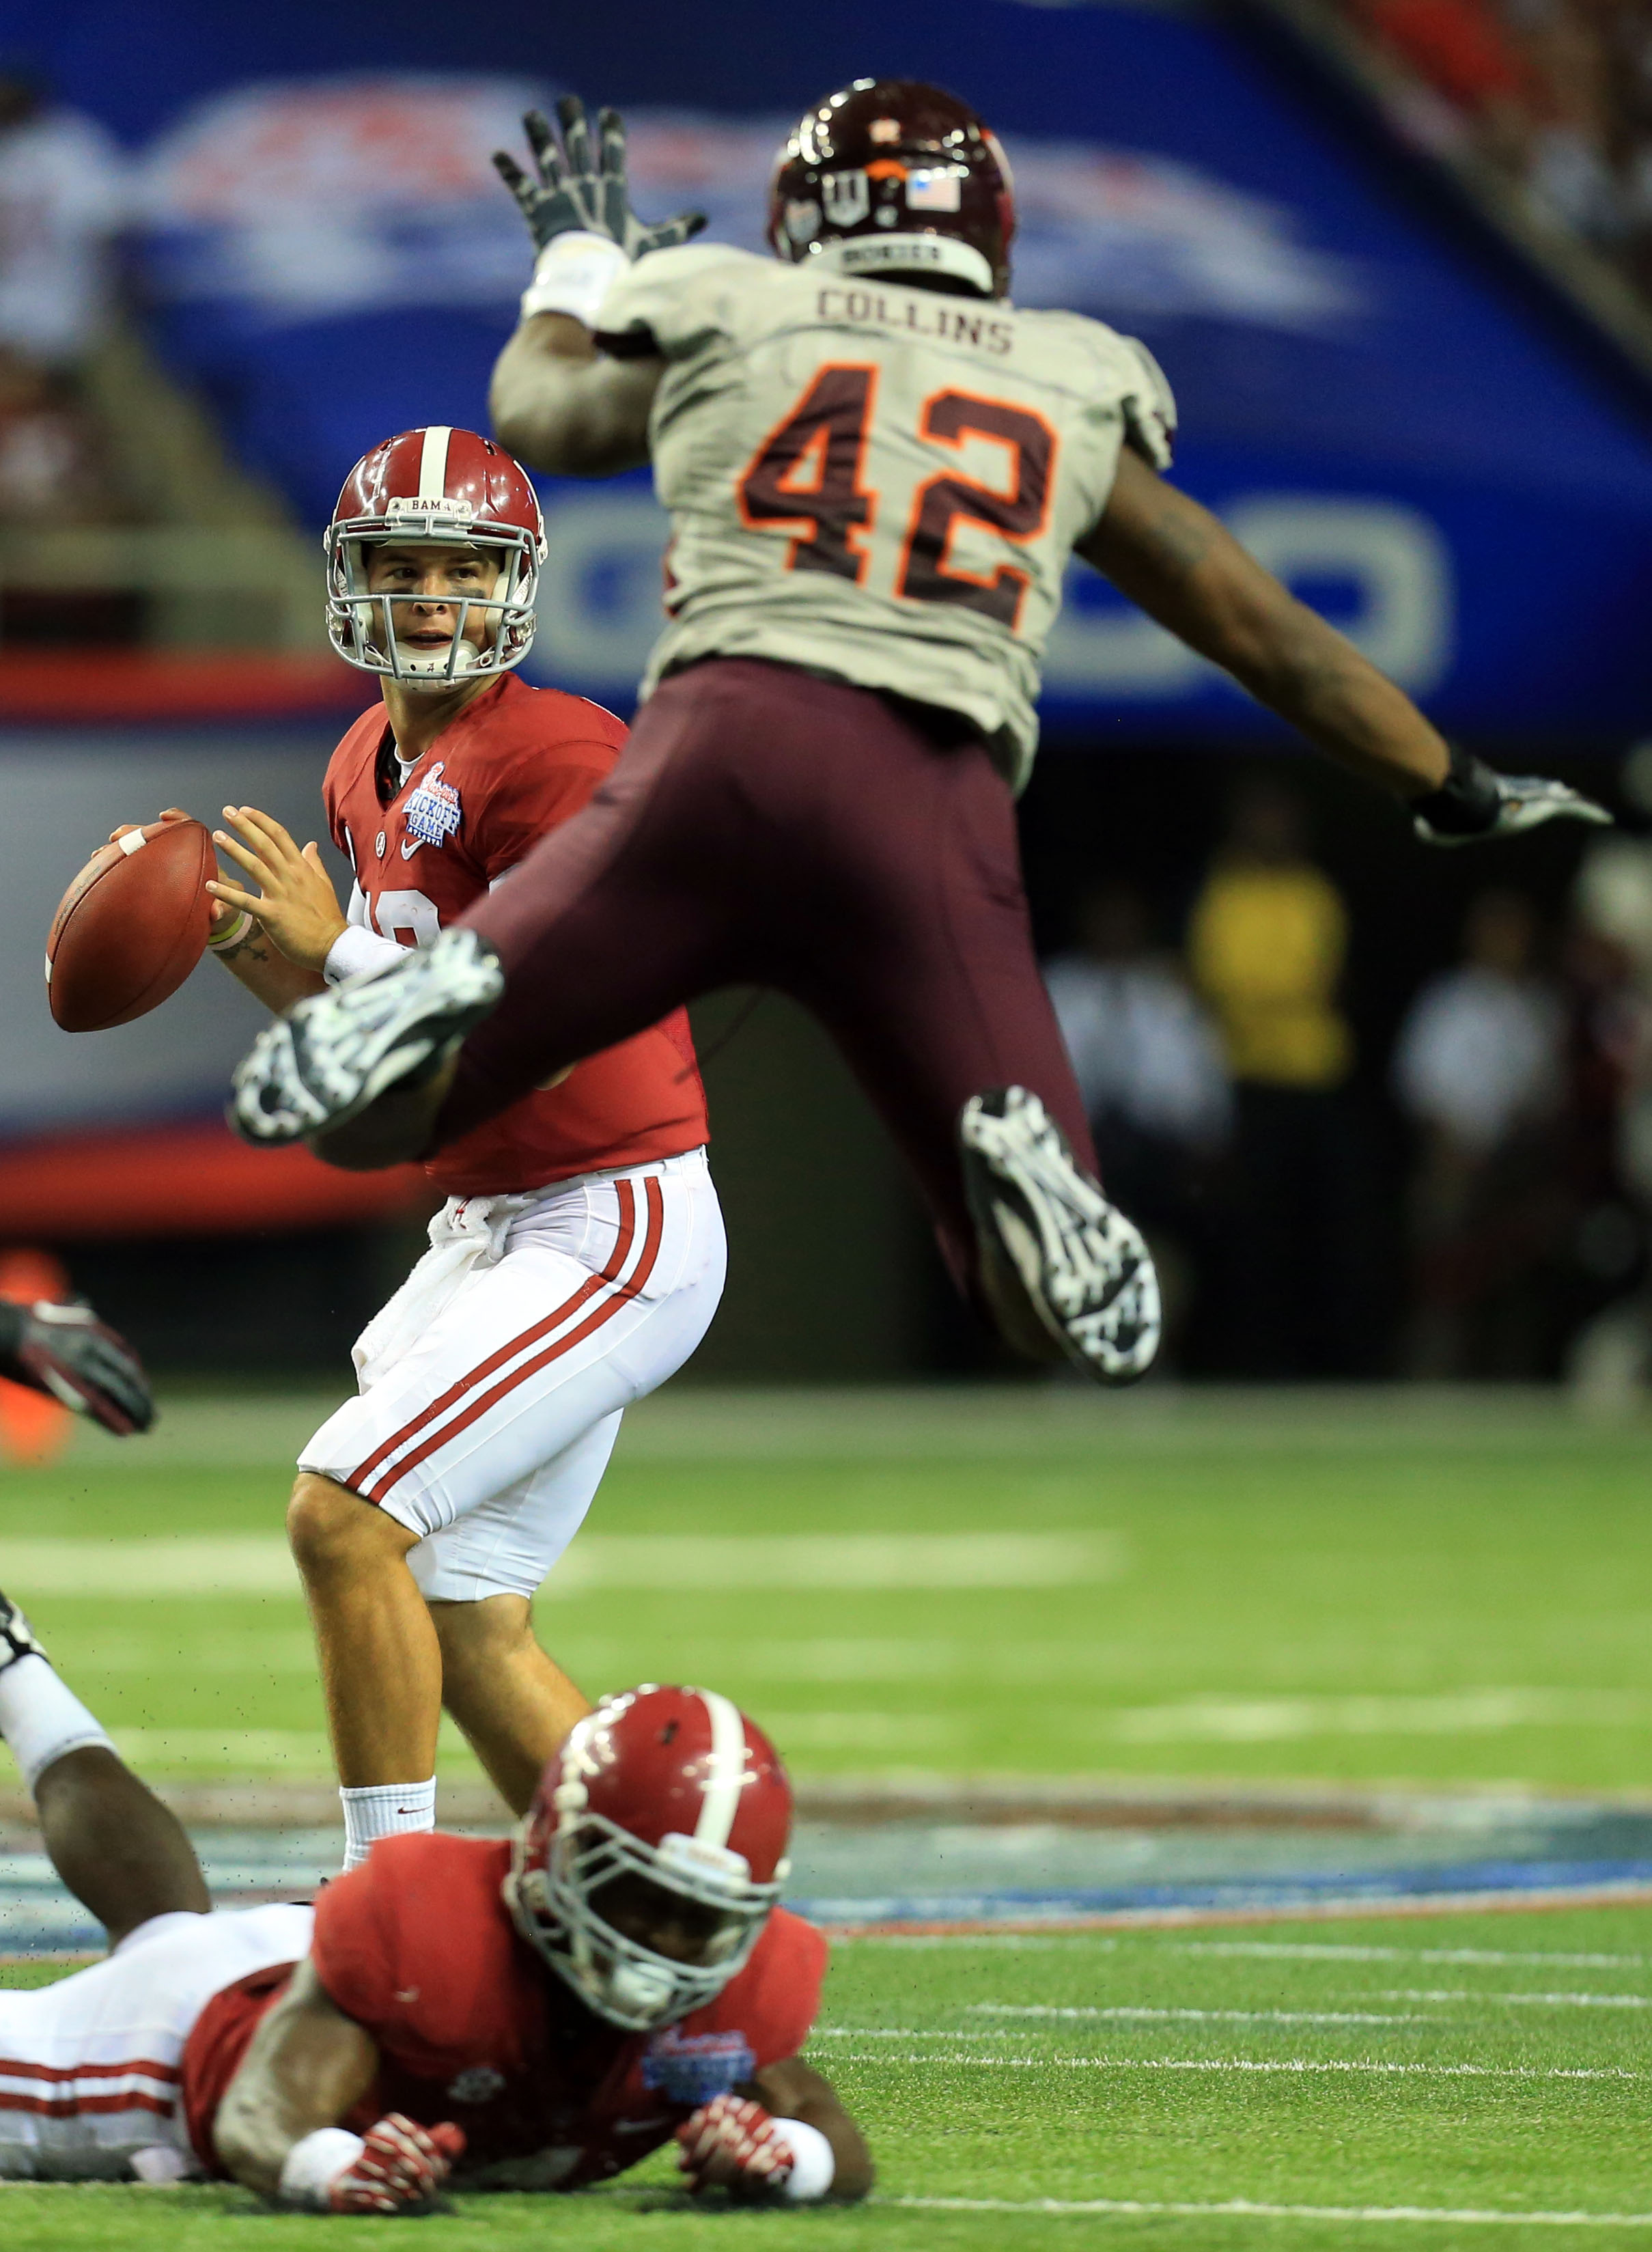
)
(1475, 802)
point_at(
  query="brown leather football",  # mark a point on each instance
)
(131, 926)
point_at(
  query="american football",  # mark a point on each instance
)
(130, 927)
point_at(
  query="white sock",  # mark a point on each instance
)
(41, 1717)
(385, 1809)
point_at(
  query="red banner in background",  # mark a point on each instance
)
(190, 1179)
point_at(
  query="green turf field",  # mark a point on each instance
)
(1392, 2070)
(1399, 1588)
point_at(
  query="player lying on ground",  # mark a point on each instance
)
(580, 1256)
(539, 2014)
(67, 1353)
(877, 470)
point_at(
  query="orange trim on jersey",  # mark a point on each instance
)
(805, 529)
(591, 1322)
(944, 567)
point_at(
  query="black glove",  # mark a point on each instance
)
(1474, 802)
(570, 189)
(67, 1351)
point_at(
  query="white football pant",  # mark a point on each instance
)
(493, 1383)
(91, 2068)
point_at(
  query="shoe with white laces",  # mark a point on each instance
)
(17, 1638)
(1085, 1267)
(331, 1056)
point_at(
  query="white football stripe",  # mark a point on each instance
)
(134, 841)
(720, 1800)
(433, 461)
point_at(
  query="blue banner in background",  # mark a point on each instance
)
(1379, 414)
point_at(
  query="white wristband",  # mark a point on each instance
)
(313, 2165)
(356, 949)
(814, 2161)
(573, 274)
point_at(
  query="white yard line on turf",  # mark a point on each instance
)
(1538, 2001)
(1330, 1950)
(1244, 2208)
(1290, 2065)
(258, 1564)
(1212, 2017)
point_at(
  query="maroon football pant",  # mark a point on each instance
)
(764, 827)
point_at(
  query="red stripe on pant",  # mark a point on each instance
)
(605, 1312)
(75, 2106)
(141, 2066)
(622, 1251)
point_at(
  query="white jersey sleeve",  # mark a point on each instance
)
(877, 482)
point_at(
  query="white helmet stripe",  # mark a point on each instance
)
(433, 461)
(720, 1799)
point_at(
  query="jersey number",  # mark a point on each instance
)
(807, 475)
(408, 917)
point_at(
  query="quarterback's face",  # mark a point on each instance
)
(437, 577)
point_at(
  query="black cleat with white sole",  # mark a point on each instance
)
(331, 1056)
(1083, 1267)
(17, 1638)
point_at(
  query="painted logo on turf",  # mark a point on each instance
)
(692, 2068)
(431, 814)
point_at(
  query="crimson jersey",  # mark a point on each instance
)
(418, 1947)
(516, 763)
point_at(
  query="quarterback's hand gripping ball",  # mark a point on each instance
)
(400, 2167)
(131, 926)
(733, 2143)
(572, 189)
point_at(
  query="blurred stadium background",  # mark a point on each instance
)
(1388, 1115)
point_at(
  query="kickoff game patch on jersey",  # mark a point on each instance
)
(433, 814)
(693, 2068)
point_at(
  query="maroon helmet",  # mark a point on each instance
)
(673, 1786)
(452, 487)
(893, 176)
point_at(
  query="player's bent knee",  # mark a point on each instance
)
(331, 1530)
(482, 1633)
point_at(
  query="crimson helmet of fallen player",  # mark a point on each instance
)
(448, 487)
(674, 1786)
(893, 176)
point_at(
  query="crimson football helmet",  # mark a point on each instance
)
(892, 176)
(675, 1787)
(447, 487)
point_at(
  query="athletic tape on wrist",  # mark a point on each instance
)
(233, 935)
(314, 2165)
(814, 2161)
(574, 274)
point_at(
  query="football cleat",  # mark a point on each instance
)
(332, 1055)
(1085, 1267)
(17, 1638)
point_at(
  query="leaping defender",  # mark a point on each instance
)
(539, 2015)
(877, 469)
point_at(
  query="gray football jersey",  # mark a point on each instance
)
(881, 484)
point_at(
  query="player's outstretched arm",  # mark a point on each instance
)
(306, 2067)
(785, 2137)
(561, 405)
(1183, 567)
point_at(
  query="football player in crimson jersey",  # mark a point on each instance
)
(532, 2013)
(877, 469)
(579, 1255)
